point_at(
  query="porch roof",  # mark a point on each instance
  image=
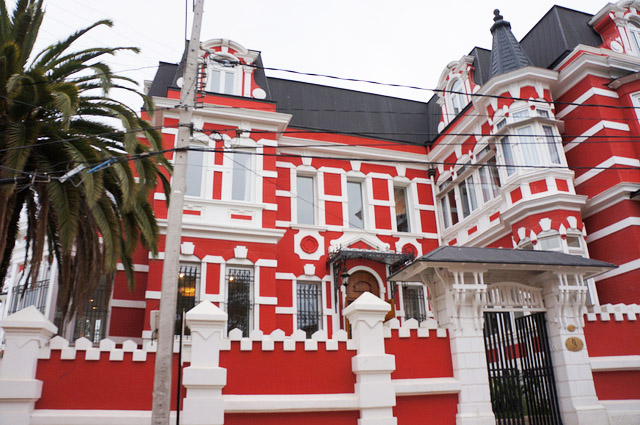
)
(493, 258)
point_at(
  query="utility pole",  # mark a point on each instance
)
(169, 295)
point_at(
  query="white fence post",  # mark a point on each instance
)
(204, 378)
(372, 365)
(24, 332)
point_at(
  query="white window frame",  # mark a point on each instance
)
(242, 265)
(298, 199)
(363, 196)
(226, 72)
(320, 305)
(457, 101)
(425, 300)
(196, 168)
(407, 205)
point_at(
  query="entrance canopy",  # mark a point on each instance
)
(502, 259)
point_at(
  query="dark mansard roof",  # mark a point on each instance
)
(318, 107)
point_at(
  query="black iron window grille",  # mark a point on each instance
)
(309, 307)
(414, 304)
(92, 322)
(188, 280)
(35, 294)
(239, 303)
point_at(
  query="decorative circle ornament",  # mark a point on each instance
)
(309, 244)
(409, 249)
(574, 343)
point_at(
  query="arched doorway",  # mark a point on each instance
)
(359, 283)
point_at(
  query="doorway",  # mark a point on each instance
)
(521, 376)
(359, 283)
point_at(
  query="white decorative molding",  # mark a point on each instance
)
(240, 252)
(614, 363)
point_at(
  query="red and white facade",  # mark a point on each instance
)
(535, 158)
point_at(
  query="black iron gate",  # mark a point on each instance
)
(521, 378)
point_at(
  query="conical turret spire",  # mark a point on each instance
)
(506, 53)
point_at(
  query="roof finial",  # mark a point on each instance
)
(498, 16)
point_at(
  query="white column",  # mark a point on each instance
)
(25, 332)
(372, 365)
(459, 308)
(204, 378)
(579, 404)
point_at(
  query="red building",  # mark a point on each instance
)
(301, 198)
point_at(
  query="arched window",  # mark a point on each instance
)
(458, 101)
(634, 36)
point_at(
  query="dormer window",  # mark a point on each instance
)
(222, 75)
(634, 36)
(458, 101)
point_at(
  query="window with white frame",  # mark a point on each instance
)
(309, 311)
(531, 145)
(195, 170)
(355, 204)
(188, 284)
(414, 302)
(489, 180)
(457, 97)
(468, 199)
(305, 200)
(221, 77)
(241, 174)
(91, 322)
(460, 198)
(239, 299)
(402, 211)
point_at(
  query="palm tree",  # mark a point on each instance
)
(79, 186)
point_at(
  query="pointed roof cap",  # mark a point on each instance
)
(506, 53)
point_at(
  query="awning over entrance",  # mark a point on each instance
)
(498, 258)
(391, 258)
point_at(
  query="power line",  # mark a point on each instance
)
(227, 62)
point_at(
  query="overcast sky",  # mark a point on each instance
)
(402, 41)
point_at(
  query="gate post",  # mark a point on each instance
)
(25, 332)
(372, 365)
(204, 378)
(564, 300)
(458, 306)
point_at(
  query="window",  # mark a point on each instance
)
(552, 146)
(528, 147)
(239, 302)
(305, 200)
(241, 175)
(550, 243)
(221, 78)
(457, 97)
(188, 280)
(489, 180)
(92, 322)
(414, 305)
(356, 207)
(507, 153)
(468, 196)
(402, 216)
(634, 35)
(195, 161)
(449, 209)
(309, 307)
(35, 294)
